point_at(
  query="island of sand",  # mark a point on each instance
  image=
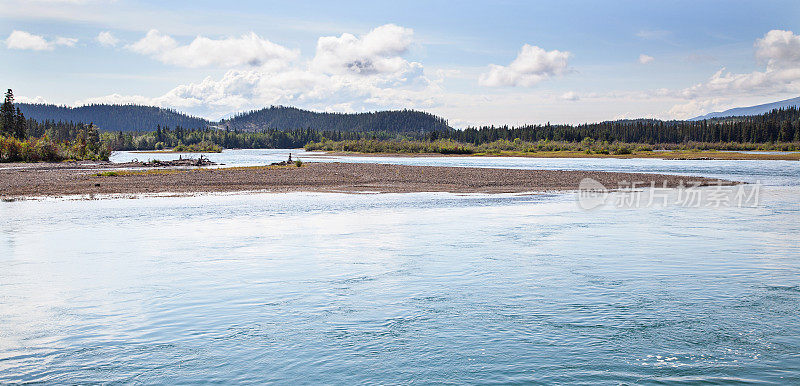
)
(84, 178)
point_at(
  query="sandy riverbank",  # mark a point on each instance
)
(34, 180)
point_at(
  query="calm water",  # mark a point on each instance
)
(398, 288)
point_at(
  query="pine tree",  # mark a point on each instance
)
(19, 125)
(7, 118)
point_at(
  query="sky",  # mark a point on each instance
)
(473, 63)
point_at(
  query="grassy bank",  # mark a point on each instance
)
(393, 146)
(554, 149)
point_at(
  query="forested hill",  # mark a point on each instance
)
(291, 118)
(113, 117)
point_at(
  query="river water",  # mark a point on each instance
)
(399, 288)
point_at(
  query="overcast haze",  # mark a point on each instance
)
(499, 62)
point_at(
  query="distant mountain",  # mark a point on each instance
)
(752, 110)
(290, 118)
(113, 117)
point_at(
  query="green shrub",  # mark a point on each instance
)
(45, 150)
(202, 147)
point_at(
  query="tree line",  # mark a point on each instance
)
(779, 125)
(27, 140)
(165, 138)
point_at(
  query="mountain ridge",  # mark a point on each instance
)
(113, 117)
(749, 110)
(291, 118)
(131, 117)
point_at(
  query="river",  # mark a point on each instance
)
(400, 288)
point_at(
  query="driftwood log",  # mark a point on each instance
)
(202, 161)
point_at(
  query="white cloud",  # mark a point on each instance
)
(24, 99)
(106, 39)
(153, 43)
(532, 65)
(694, 108)
(21, 40)
(570, 96)
(377, 52)
(246, 50)
(347, 73)
(779, 50)
(67, 42)
(645, 59)
(244, 89)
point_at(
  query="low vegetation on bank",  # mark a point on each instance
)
(503, 146)
(46, 150)
(393, 146)
(19, 144)
(202, 147)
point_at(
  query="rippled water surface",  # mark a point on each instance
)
(393, 288)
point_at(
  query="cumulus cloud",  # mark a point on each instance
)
(377, 52)
(532, 65)
(694, 108)
(780, 52)
(246, 50)
(152, 43)
(242, 89)
(645, 59)
(21, 40)
(780, 49)
(106, 39)
(66, 42)
(347, 73)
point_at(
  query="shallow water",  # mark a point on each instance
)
(427, 287)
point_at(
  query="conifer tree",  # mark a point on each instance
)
(20, 125)
(7, 118)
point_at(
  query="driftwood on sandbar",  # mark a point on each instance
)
(202, 161)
